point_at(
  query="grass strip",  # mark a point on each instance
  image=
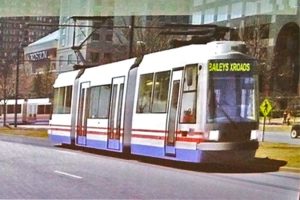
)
(40, 133)
(286, 152)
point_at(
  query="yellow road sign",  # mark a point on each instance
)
(265, 107)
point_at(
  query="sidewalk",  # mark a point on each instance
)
(276, 124)
(278, 121)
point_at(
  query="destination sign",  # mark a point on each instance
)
(229, 66)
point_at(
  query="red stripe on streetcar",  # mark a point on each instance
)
(155, 137)
(97, 133)
(186, 139)
(150, 130)
(135, 135)
(60, 129)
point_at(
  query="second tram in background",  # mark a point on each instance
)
(196, 103)
(29, 111)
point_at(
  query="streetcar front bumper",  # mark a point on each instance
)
(228, 151)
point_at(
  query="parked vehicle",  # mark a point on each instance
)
(295, 131)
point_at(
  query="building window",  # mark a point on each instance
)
(198, 2)
(97, 24)
(236, 10)
(60, 62)
(210, 1)
(197, 18)
(94, 57)
(62, 41)
(222, 13)
(209, 16)
(81, 33)
(70, 59)
(109, 37)
(96, 36)
(107, 57)
(63, 31)
(266, 6)
(250, 8)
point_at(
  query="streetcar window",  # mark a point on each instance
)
(190, 77)
(153, 92)
(231, 98)
(44, 109)
(68, 99)
(59, 100)
(62, 100)
(145, 90)
(160, 94)
(188, 105)
(48, 109)
(11, 109)
(19, 108)
(99, 101)
(41, 109)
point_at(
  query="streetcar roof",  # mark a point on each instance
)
(32, 101)
(157, 61)
(172, 58)
(104, 73)
(65, 79)
(39, 101)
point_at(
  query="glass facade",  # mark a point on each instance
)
(270, 30)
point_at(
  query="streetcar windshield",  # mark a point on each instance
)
(231, 98)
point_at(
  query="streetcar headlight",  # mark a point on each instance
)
(214, 135)
(254, 135)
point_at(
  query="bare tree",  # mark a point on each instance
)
(143, 31)
(6, 88)
(42, 84)
(25, 80)
(255, 33)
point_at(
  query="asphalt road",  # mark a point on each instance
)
(280, 137)
(31, 168)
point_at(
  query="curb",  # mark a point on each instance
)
(290, 169)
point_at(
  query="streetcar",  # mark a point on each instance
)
(29, 111)
(195, 103)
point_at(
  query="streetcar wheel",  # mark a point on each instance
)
(294, 133)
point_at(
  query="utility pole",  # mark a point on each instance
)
(17, 88)
(131, 35)
(24, 42)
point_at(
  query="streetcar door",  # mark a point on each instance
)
(115, 113)
(172, 120)
(82, 114)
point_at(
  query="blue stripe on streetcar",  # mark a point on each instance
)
(152, 151)
(59, 139)
(159, 152)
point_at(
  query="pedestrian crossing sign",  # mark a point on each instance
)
(265, 107)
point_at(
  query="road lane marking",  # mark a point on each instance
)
(66, 152)
(67, 174)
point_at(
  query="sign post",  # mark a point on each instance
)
(265, 108)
